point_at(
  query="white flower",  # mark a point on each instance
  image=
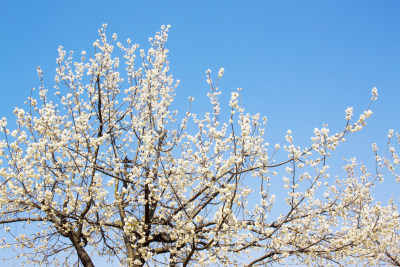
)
(221, 72)
(349, 113)
(390, 135)
(374, 93)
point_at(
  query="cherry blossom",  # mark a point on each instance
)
(105, 168)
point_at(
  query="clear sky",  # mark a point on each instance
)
(300, 63)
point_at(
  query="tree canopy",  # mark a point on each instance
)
(106, 168)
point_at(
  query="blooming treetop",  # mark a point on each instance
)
(106, 169)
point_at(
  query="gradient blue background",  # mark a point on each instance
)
(300, 63)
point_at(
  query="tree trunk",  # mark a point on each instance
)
(82, 254)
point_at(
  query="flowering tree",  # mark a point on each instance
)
(106, 168)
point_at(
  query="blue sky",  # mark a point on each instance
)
(300, 63)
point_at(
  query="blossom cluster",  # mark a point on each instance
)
(106, 164)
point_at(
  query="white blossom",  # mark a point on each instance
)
(109, 167)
